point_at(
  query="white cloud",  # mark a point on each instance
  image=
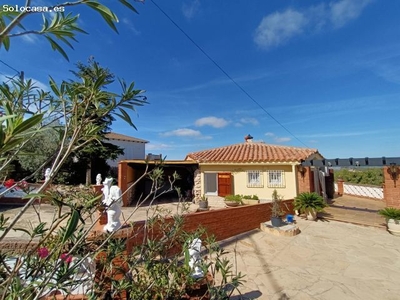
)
(160, 146)
(211, 121)
(343, 11)
(279, 27)
(130, 26)
(40, 85)
(190, 9)
(276, 138)
(29, 38)
(251, 121)
(282, 139)
(186, 133)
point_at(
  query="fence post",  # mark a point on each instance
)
(340, 187)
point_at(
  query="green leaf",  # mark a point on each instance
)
(6, 43)
(126, 117)
(11, 145)
(105, 12)
(24, 230)
(2, 118)
(39, 230)
(128, 5)
(54, 87)
(57, 47)
(28, 124)
(71, 225)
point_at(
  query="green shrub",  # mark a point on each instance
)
(236, 198)
(370, 176)
(390, 213)
(250, 197)
(307, 200)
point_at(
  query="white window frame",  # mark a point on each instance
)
(255, 179)
(276, 179)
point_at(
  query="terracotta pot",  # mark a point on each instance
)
(232, 203)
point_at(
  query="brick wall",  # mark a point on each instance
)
(222, 223)
(391, 189)
(305, 181)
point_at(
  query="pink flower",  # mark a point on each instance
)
(23, 184)
(43, 252)
(66, 257)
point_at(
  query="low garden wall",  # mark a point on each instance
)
(222, 223)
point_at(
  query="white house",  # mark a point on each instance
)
(134, 148)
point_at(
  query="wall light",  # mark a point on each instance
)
(302, 170)
(393, 172)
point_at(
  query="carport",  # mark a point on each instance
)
(135, 189)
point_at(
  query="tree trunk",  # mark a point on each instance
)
(89, 173)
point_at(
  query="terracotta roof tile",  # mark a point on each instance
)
(251, 152)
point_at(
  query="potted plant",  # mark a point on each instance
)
(203, 202)
(392, 216)
(309, 204)
(276, 210)
(233, 200)
(250, 199)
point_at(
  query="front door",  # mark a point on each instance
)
(210, 183)
(224, 184)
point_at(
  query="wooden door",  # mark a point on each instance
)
(224, 184)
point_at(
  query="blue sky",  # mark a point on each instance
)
(328, 72)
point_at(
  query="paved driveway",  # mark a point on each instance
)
(327, 260)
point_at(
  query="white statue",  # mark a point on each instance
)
(106, 189)
(114, 204)
(98, 179)
(47, 173)
(195, 260)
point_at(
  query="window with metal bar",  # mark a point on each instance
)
(276, 178)
(255, 179)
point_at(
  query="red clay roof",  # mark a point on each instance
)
(122, 137)
(252, 152)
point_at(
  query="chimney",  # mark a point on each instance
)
(248, 138)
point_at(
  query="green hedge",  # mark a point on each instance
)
(370, 176)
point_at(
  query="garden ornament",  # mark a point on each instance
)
(47, 174)
(195, 260)
(106, 189)
(113, 203)
(98, 179)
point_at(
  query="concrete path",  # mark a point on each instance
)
(327, 260)
(356, 210)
